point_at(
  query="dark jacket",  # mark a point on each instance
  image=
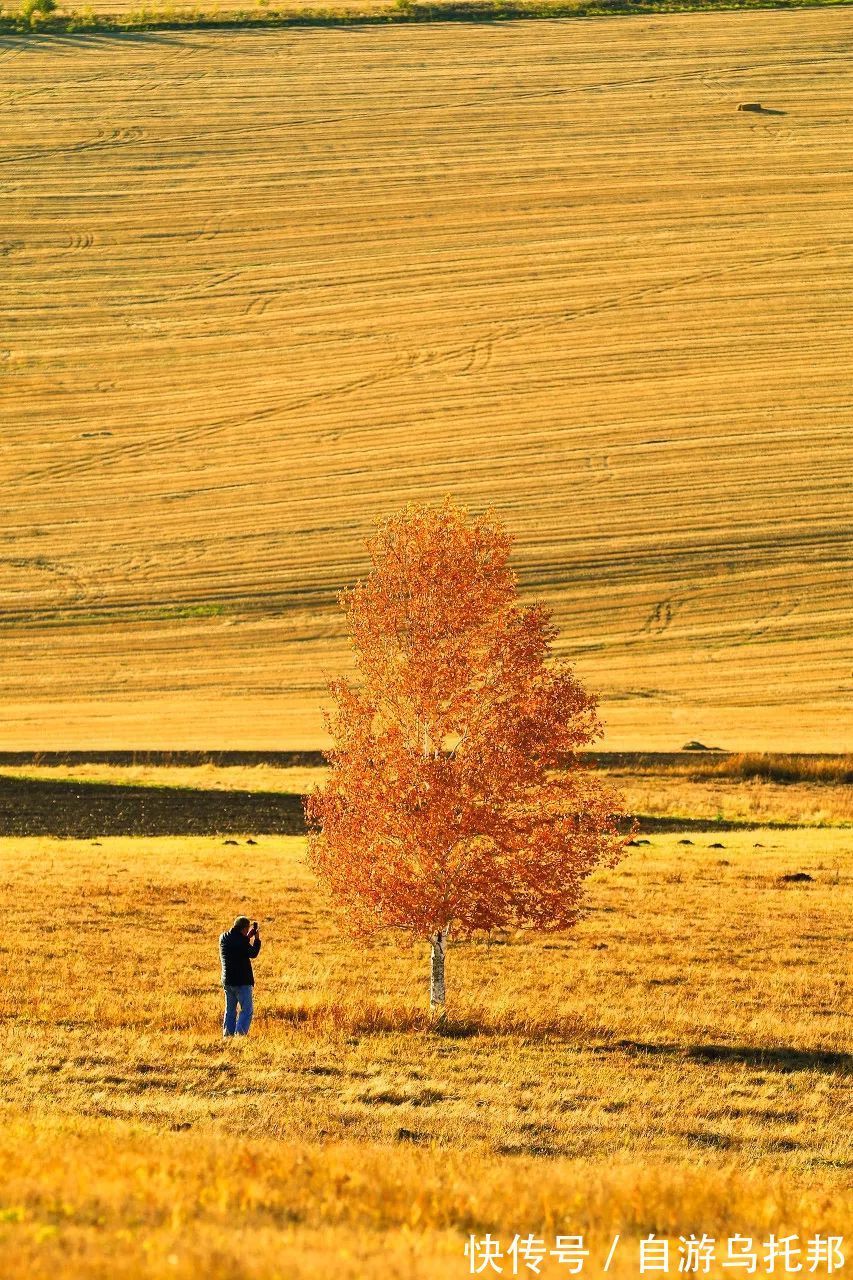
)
(237, 954)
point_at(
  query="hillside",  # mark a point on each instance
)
(261, 287)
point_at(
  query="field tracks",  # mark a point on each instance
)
(473, 357)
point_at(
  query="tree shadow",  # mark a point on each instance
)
(777, 1058)
(457, 1028)
(783, 1058)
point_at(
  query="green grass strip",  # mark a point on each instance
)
(35, 15)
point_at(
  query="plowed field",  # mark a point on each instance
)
(259, 287)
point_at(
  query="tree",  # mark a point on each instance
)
(33, 10)
(456, 798)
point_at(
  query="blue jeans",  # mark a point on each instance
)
(244, 997)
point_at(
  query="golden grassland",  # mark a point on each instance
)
(263, 286)
(679, 1062)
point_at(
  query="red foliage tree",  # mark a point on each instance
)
(456, 799)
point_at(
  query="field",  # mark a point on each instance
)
(263, 286)
(681, 792)
(679, 1062)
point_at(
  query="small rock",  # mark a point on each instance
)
(641, 841)
(758, 846)
(685, 842)
(230, 842)
(250, 841)
(716, 846)
(796, 877)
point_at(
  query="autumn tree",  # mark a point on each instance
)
(456, 800)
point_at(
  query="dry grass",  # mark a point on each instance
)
(831, 770)
(209, 777)
(751, 787)
(264, 286)
(680, 1061)
(825, 768)
(191, 1205)
(729, 801)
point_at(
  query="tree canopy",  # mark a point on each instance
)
(456, 798)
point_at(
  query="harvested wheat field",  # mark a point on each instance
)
(263, 286)
(680, 1062)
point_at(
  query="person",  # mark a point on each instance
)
(238, 947)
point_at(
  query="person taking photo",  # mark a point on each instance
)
(238, 947)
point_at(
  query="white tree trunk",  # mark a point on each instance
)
(438, 942)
